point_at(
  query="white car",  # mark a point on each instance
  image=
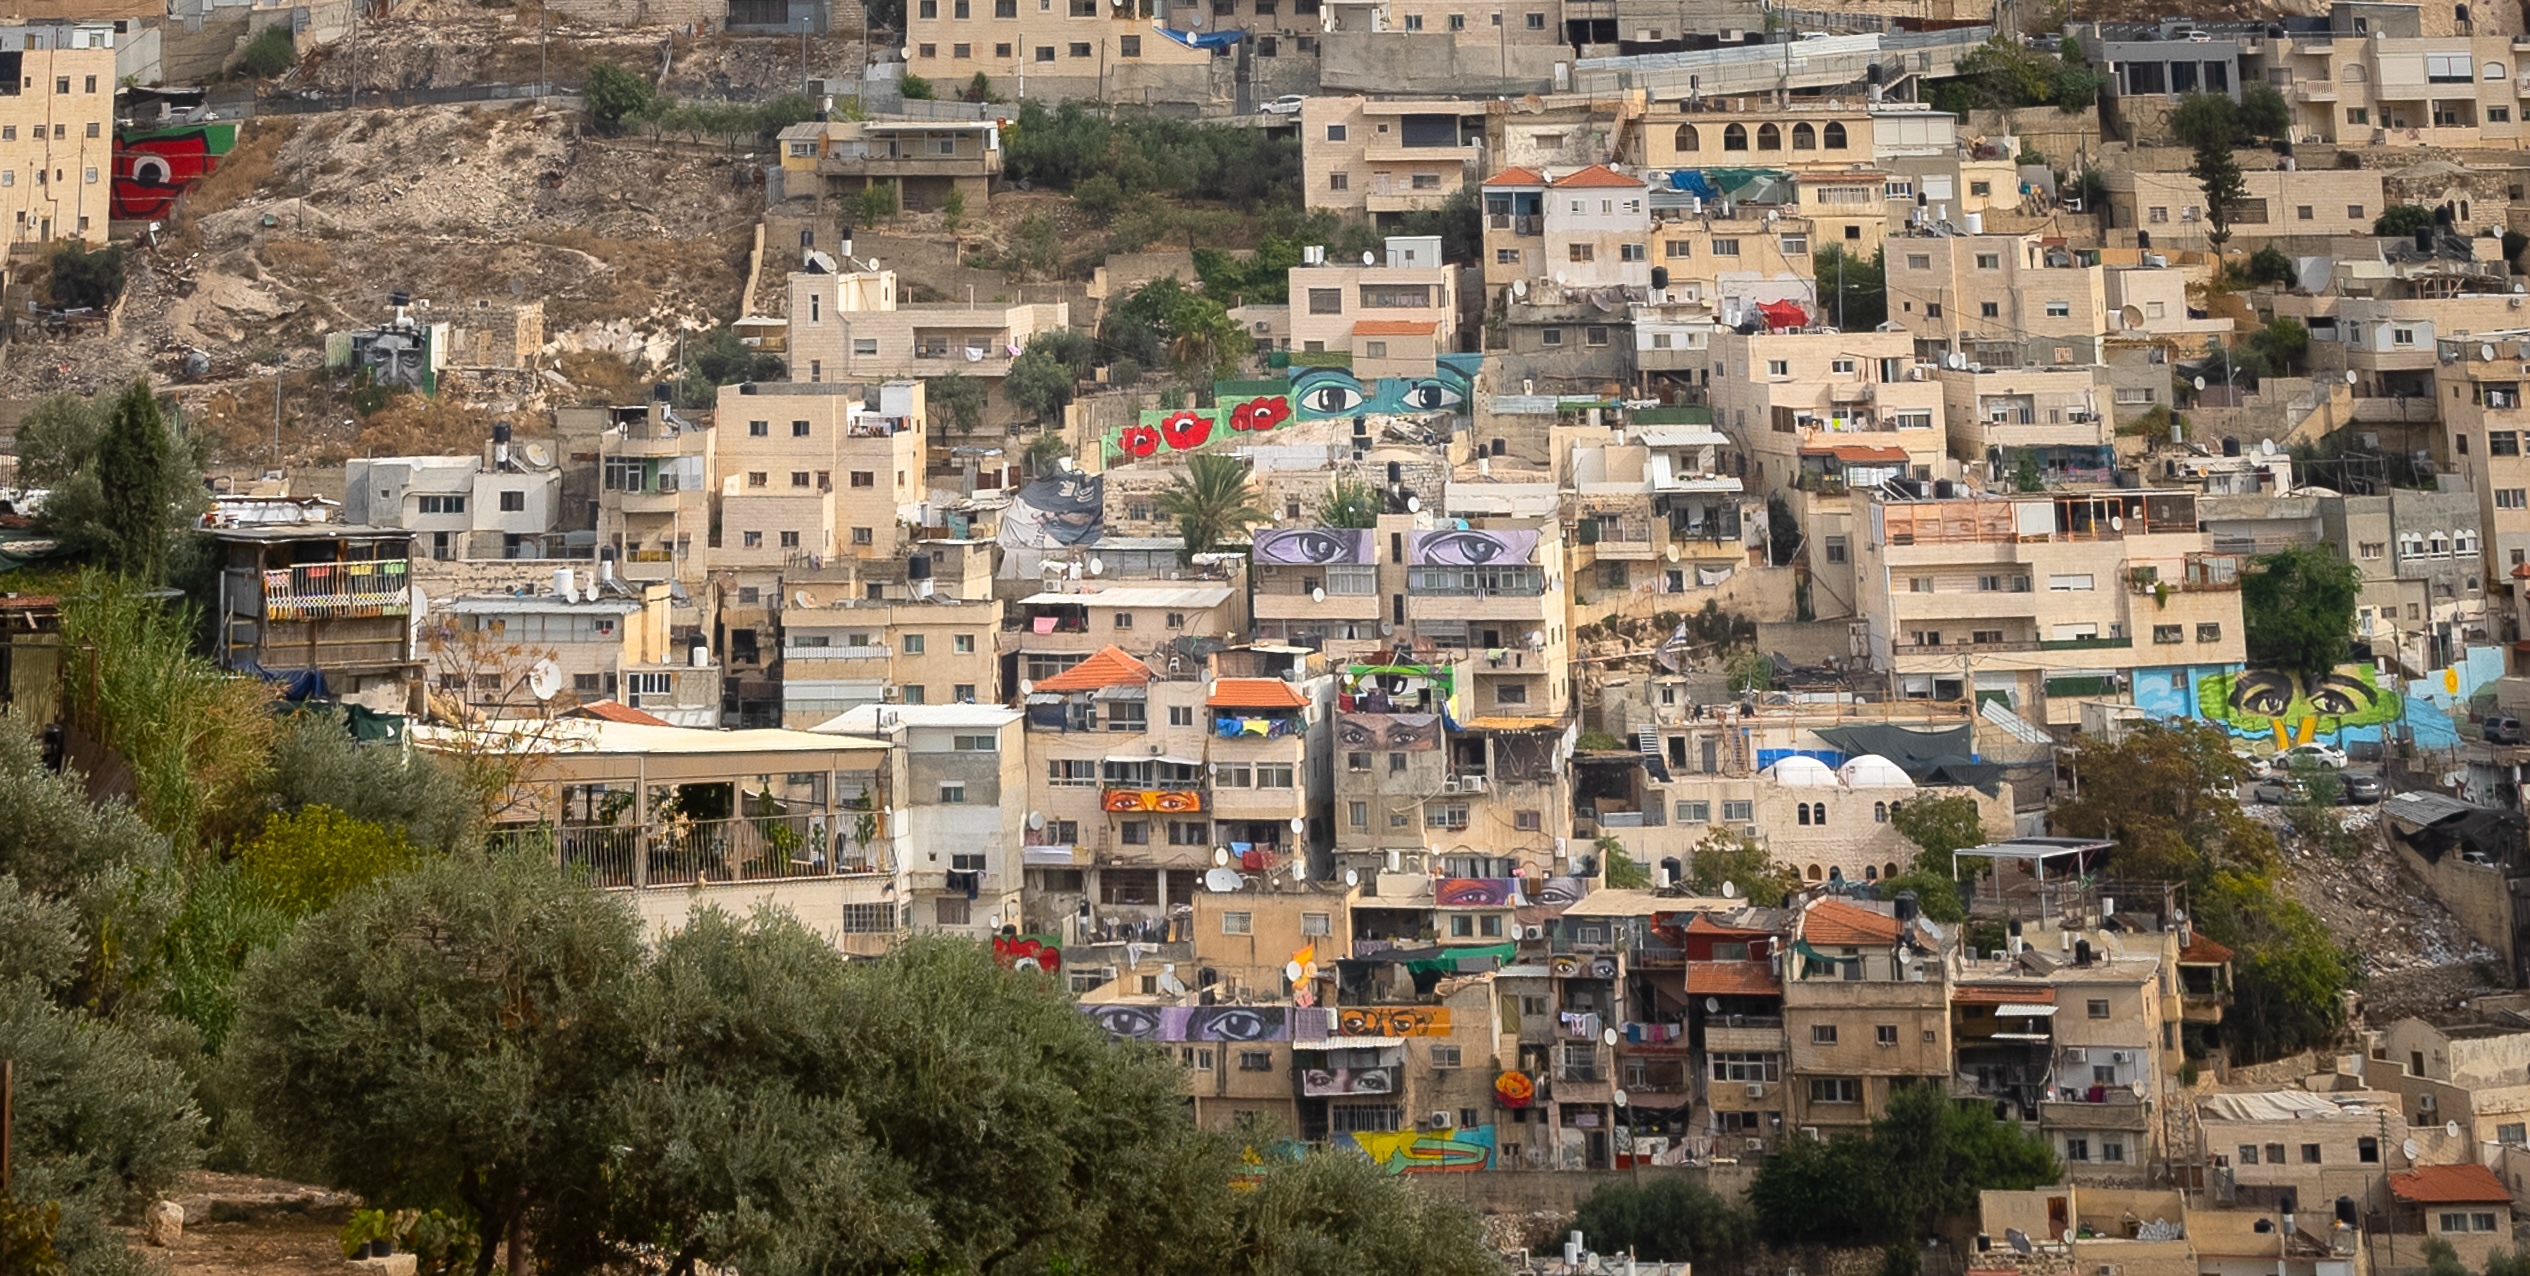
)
(2323, 755)
(1288, 104)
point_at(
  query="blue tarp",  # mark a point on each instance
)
(1209, 41)
(295, 684)
(1692, 182)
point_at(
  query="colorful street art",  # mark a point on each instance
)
(1317, 1082)
(1313, 546)
(1427, 1152)
(1187, 429)
(2350, 705)
(1569, 967)
(1321, 394)
(1465, 547)
(152, 167)
(1392, 1021)
(1385, 689)
(1514, 1090)
(1156, 801)
(1066, 509)
(1560, 891)
(1028, 952)
(1192, 1023)
(1477, 892)
(1393, 732)
(1243, 410)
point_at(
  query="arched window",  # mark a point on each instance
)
(1769, 138)
(1814, 873)
(1818, 813)
(1687, 139)
(1834, 136)
(1735, 138)
(1870, 873)
(1879, 812)
(1804, 138)
(1888, 870)
(2464, 210)
(1801, 812)
(2494, 70)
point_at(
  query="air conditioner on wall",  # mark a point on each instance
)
(1756, 1089)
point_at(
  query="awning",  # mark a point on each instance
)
(1351, 1043)
(1147, 757)
(2019, 1009)
(2020, 1036)
(1048, 856)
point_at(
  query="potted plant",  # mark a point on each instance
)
(369, 1234)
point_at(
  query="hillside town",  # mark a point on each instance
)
(636, 636)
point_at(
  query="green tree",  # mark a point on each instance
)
(1938, 826)
(1921, 1165)
(980, 89)
(953, 210)
(57, 439)
(1212, 502)
(1724, 857)
(2269, 265)
(2078, 83)
(1783, 532)
(1856, 296)
(96, 886)
(138, 494)
(416, 793)
(2218, 173)
(1047, 372)
(2278, 346)
(718, 358)
(1337, 1214)
(1045, 453)
(1937, 894)
(272, 51)
(616, 95)
(1458, 222)
(960, 398)
(2442, 1260)
(877, 203)
(2402, 221)
(1351, 502)
(916, 88)
(2297, 609)
(2263, 112)
(2206, 121)
(1166, 322)
(1623, 873)
(467, 1015)
(1669, 1220)
(2026, 476)
(83, 278)
(311, 857)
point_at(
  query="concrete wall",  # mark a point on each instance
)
(1562, 1191)
(1398, 62)
(2475, 894)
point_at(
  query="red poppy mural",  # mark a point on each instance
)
(153, 167)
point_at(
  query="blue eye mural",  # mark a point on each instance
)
(1318, 393)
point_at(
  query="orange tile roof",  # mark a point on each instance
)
(1858, 454)
(1597, 175)
(2201, 951)
(1395, 328)
(1516, 176)
(613, 711)
(1254, 693)
(1833, 921)
(2013, 995)
(1108, 667)
(2468, 1184)
(1733, 979)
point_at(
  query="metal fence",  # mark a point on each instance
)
(683, 853)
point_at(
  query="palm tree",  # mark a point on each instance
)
(1352, 502)
(1210, 501)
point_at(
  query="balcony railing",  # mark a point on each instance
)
(749, 849)
(869, 652)
(331, 591)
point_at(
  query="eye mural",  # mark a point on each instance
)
(1158, 801)
(1240, 411)
(1470, 547)
(1235, 1023)
(1393, 732)
(1313, 546)
(2281, 704)
(1393, 1021)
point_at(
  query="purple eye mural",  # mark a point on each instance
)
(1471, 548)
(1313, 546)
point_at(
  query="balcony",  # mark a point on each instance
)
(1137, 799)
(2203, 1007)
(2198, 572)
(2121, 1111)
(1850, 392)
(2315, 91)
(676, 856)
(1652, 1038)
(662, 501)
(339, 590)
(1748, 1035)
(1627, 539)
(647, 565)
(985, 164)
(1476, 582)
(1516, 223)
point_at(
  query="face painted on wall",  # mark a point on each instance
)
(1321, 393)
(2275, 702)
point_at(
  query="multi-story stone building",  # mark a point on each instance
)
(57, 131)
(1386, 157)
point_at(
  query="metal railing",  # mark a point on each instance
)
(325, 591)
(747, 849)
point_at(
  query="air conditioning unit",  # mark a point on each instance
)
(1472, 784)
(2118, 1056)
(1810, 1132)
(2076, 1054)
(2073, 204)
(1756, 1089)
(1438, 1121)
(1533, 932)
(1450, 785)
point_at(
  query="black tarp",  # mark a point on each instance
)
(1927, 757)
(2434, 826)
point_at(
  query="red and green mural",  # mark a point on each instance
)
(1242, 410)
(153, 166)
(1427, 1151)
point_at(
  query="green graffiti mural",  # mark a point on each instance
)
(2294, 710)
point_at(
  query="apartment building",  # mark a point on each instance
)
(1825, 825)
(2468, 1068)
(1320, 587)
(851, 638)
(2318, 1146)
(1866, 1009)
(2399, 87)
(503, 505)
(1075, 50)
(962, 783)
(57, 86)
(921, 161)
(2426, 586)
(1953, 291)
(602, 640)
(2478, 381)
(654, 496)
(2281, 203)
(1389, 318)
(299, 589)
(813, 471)
(2045, 600)
(1384, 157)
(850, 323)
(1790, 399)
(1659, 517)
(2009, 425)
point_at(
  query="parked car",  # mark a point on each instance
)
(2503, 731)
(2361, 790)
(2276, 792)
(2325, 755)
(1287, 104)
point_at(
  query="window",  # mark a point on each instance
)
(1256, 1061)
(1237, 923)
(2466, 1221)
(1550, 336)
(1726, 248)
(2448, 68)
(869, 919)
(1326, 301)
(1884, 1034)
(1314, 924)
(1822, 1034)
(1129, 46)
(1778, 367)
(751, 540)
(953, 793)
(1677, 249)
(1836, 549)
(1739, 813)
(443, 505)
(790, 540)
(1444, 1056)
(1632, 252)
(861, 536)
(2503, 443)
(2166, 634)
(2209, 631)
(1045, 53)
(2248, 1154)
(1989, 310)
(2095, 1008)
(1595, 335)
(1835, 1090)
(1357, 814)
(2275, 1154)
(1536, 22)
(2354, 212)
(1079, 48)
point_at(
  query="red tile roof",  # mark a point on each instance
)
(1395, 328)
(1108, 667)
(1597, 175)
(2201, 951)
(1857, 454)
(1833, 921)
(2012, 995)
(2469, 1184)
(613, 711)
(1733, 979)
(1254, 693)
(1517, 177)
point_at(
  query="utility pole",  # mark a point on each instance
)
(281, 367)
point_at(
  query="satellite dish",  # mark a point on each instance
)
(2117, 522)
(1730, 890)
(1317, 595)
(2486, 351)
(1671, 552)
(993, 922)
(537, 455)
(2200, 383)
(1292, 971)
(1619, 1099)
(1607, 1036)
(1957, 361)
(2018, 1240)
(1098, 567)
(799, 598)
(1559, 279)
(2266, 447)
(1519, 289)
(2408, 1149)
(2349, 376)
(1352, 877)
(544, 678)
(2450, 1129)
(1712, 1005)
(1369, 258)
(2067, 1238)
(1220, 856)
(1027, 687)
(1036, 820)
(1221, 880)
(1414, 505)
(1300, 824)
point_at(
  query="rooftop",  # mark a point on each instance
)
(2449, 1185)
(1254, 693)
(1196, 597)
(1833, 921)
(869, 719)
(607, 736)
(1107, 667)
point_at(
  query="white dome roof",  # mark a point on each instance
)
(1871, 771)
(1798, 772)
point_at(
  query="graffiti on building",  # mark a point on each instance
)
(1192, 1023)
(2351, 704)
(1571, 967)
(1316, 1082)
(1065, 509)
(153, 166)
(1397, 688)
(1313, 546)
(1028, 952)
(1157, 801)
(1319, 394)
(1390, 732)
(1392, 1021)
(1514, 1090)
(1477, 892)
(1230, 420)
(1559, 891)
(1428, 1151)
(1471, 547)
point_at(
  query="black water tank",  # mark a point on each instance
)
(1875, 75)
(1906, 906)
(807, 237)
(746, 387)
(2231, 447)
(1361, 426)
(918, 567)
(2460, 14)
(500, 431)
(1671, 866)
(399, 298)
(662, 392)
(2081, 952)
(1396, 472)
(1660, 276)
(2424, 239)
(2143, 240)
(2442, 215)
(1501, 447)
(2014, 928)
(1944, 489)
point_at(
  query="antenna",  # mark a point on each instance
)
(544, 679)
(1221, 881)
(1352, 877)
(1220, 856)
(1730, 890)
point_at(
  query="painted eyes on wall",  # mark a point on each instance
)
(1332, 398)
(1430, 396)
(1302, 546)
(2339, 694)
(1464, 549)
(1132, 1022)
(1361, 733)
(2263, 692)
(1235, 1024)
